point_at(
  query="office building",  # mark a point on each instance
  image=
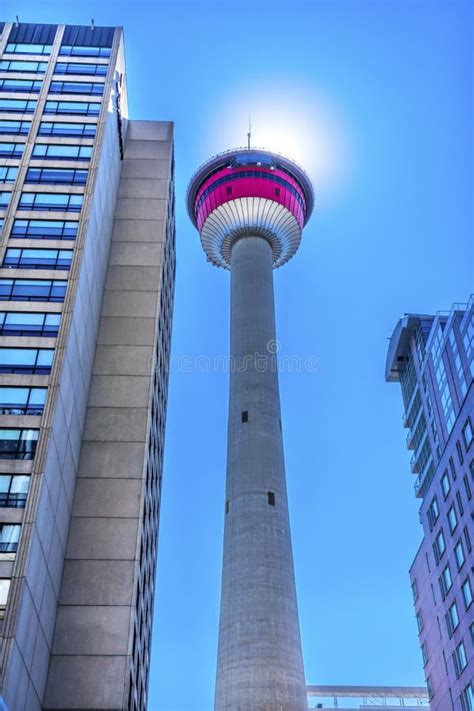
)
(87, 263)
(250, 207)
(432, 357)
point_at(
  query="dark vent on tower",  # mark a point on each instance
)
(245, 416)
(271, 498)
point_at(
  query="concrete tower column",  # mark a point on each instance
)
(260, 666)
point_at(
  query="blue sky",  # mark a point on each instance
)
(376, 99)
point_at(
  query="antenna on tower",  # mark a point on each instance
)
(17, 21)
(249, 134)
(92, 24)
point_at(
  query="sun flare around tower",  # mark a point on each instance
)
(250, 207)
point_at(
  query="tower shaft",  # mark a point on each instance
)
(260, 665)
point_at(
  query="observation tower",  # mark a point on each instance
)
(250, 207)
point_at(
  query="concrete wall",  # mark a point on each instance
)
(93, 642)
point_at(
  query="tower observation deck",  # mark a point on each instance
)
(250, 207)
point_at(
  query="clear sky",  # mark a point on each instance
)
(376, 100)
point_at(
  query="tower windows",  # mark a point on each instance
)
(245, 415)
(271, 498)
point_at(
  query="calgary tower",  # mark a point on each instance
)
(250, 207)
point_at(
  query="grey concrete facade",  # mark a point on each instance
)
(260, 664)
(88, 488)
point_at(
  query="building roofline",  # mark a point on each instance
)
(399, 345)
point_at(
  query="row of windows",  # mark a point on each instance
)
(44, 229)
(99, 70)
(56, 176)
(9, 537)
(65, 50)
(33, 86)
(8, 174)
(22, 401)
(46, 128)
(19, 65)
(18, 443)
(50, 201)
(4, 199)
(13, 493)
(58, 151)
(26, 361)
(11, 150)
(37, 258)
(32, 290)
(13, 323)
(68, 108)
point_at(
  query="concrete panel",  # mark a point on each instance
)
(136, 209)
(147, 150)
(133, 254)
(150, 131)
(112, 459)
(39, 669)
(97, 582)
(15, 687)
(142, 231)
(127, 331)
(132, 278)
(144, 188)
(133, 168)
(104, 688)
(108, 497)
(121, 425)
(123, 360)
(92, 630)
(119, 391)
(102, 538)
(130, 304)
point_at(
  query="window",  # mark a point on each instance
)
(9, 537)
(11, 150)
(452, 518)
(32, 290)
(419, 621)
(21, 106)
(13, 491)
(459, 554)
(4, 590)
(467, 593)
(56, 176)
(18, 443)
(22, 65)
(61, 202)
(78, 130)
(467, 539)
(245, 416)
(439, 546)
(27, 86)
(424, 654)
(15, 323)
(8, 174)
(452, 468)
(445, 581)
(37, 258)
(14, 128)
(44, 229)
(459, 659)
(445, 484)
(4, 199)
(429, 687)
(72, 108)
(452, 618)
(467, 486)
(227, 506)
(271, 498)
(19, 48)
(467, 698)
(76, 51)
(414, 589)
(26, 360)
(75, 87)
(58, 151)
(460, 504)
(98, 70)
(467, 434)
(22, 401)
(459, 451)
